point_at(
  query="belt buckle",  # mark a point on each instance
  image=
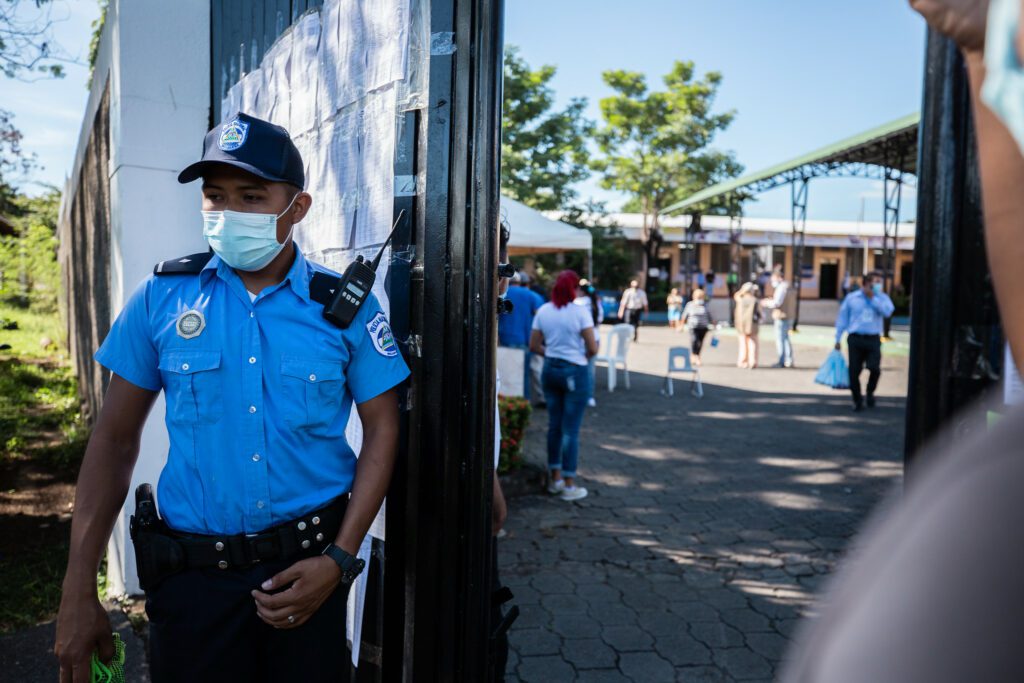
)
(259, 549)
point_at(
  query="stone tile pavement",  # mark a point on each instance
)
(711, 523)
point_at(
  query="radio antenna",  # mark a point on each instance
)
(376, 260)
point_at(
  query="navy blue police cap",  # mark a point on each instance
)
(253, 145)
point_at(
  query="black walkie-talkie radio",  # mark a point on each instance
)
(355, 285)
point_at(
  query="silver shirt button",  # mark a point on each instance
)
(184, 366)
(312, 378)
(259, 504)
(252, 409)
(252, 359)
(255, 457)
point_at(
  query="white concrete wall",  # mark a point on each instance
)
(157, 57)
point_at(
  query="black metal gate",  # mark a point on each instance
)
(956, 339)
(426, 612)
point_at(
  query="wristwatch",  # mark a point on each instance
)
(350, 565)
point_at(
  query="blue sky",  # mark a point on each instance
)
(49, 112)
(799, 73)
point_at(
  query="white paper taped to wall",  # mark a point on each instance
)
(377, 184)
(304, 76)
(276, 98)
(386, 28)
(341, 59)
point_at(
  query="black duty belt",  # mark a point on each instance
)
(305, 535)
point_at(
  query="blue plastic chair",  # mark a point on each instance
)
(679, 361)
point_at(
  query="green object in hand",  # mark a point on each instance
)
(113, 672)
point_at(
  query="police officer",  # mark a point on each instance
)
(263, 502)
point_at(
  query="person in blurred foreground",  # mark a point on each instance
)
(934, 592)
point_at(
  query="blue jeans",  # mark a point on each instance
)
(782, 343)
(566, 389)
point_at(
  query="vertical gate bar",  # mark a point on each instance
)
(954, 322)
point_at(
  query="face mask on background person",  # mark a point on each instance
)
(1003, 89)
(244, 241)
(877, 288)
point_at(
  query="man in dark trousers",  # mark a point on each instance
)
(632, 306)
(263, 504)
(862, 317)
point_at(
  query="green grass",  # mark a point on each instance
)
(42, 440)
(33, 326)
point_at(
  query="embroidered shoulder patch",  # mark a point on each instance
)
(233, 135)
(380, 332)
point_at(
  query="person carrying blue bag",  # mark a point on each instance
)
(862, 317)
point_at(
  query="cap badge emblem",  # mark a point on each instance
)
(190, 324)
(233, 135)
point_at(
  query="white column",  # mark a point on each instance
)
(159, 112)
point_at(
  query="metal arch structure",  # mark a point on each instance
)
(887, 153)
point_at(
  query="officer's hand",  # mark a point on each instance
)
(83, 627)
(962, 20)
(499, 509)
(312, 581)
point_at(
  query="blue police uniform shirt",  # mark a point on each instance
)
(514, 328)
(861, 315)
(258, 400)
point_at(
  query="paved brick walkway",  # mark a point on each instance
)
(710, 523)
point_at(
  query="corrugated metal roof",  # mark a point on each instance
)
(874, 147)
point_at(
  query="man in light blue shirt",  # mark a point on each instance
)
(862, 317)
(262, 504)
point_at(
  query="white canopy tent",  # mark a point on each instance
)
(535, 233)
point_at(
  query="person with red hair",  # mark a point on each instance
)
(563, 334)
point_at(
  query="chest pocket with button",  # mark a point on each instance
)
(312, 390)
(193, 386)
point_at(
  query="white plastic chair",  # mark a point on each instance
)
(679, 361)
(615, 347)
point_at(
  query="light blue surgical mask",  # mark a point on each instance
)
(877, 288)
(244, 241)
(1003, 89)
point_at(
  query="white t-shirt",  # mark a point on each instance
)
(562, 328)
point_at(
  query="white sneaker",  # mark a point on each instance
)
(573, 493)
(556, 487)
(592, 403)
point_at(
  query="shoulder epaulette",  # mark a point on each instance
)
(192, 264)
(322, 286)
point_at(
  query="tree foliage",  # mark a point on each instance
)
(27, 48)
(13, 161)
(655, 145)
(29, 271)
(543, 152)
(612, 266)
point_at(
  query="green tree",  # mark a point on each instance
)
(543, 152)
(610, 264)
(29, 272)
(655, 145)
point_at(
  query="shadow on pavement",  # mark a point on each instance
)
(709, 527)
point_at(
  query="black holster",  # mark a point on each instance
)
(157, 554)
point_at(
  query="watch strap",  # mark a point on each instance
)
(350, 565)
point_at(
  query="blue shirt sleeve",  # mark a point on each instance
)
(843, 319)
(128, 350)
(375, 365)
